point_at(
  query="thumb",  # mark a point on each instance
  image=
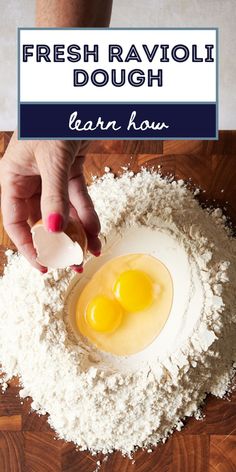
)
(54, 170)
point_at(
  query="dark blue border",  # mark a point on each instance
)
(184, 120)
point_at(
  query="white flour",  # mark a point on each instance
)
(91, 399)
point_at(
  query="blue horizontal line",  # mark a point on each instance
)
(117, 103)
(123, 139)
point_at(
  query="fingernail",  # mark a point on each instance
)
(97, 254)
(43, 270)
(54, 222)
(79, 269)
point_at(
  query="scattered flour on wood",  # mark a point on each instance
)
(104, 410)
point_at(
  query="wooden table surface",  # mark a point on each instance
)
(27, 443)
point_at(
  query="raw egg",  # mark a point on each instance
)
(125, 304)
(134, 290)
(95, 314)
(59, 250)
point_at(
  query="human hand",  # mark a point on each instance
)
(44, 179)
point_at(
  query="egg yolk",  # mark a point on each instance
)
(134, 290)
(103, 314)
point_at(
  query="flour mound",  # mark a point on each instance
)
(98, 408)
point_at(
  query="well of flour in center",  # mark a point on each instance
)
(155, 272)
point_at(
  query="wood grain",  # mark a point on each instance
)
(11, 423)
(222, 454)
(190, 453)
(42, 452)
(12, 452)
(27, 443)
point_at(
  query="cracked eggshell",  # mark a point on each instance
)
(62, 249)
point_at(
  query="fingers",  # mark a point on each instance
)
(15, 214)
(54, 169)
(48, 162)
(79, 269)
(94, 245)
(34, 210)
(83, 204)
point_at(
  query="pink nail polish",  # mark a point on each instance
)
(54, 222)
(79, 269)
